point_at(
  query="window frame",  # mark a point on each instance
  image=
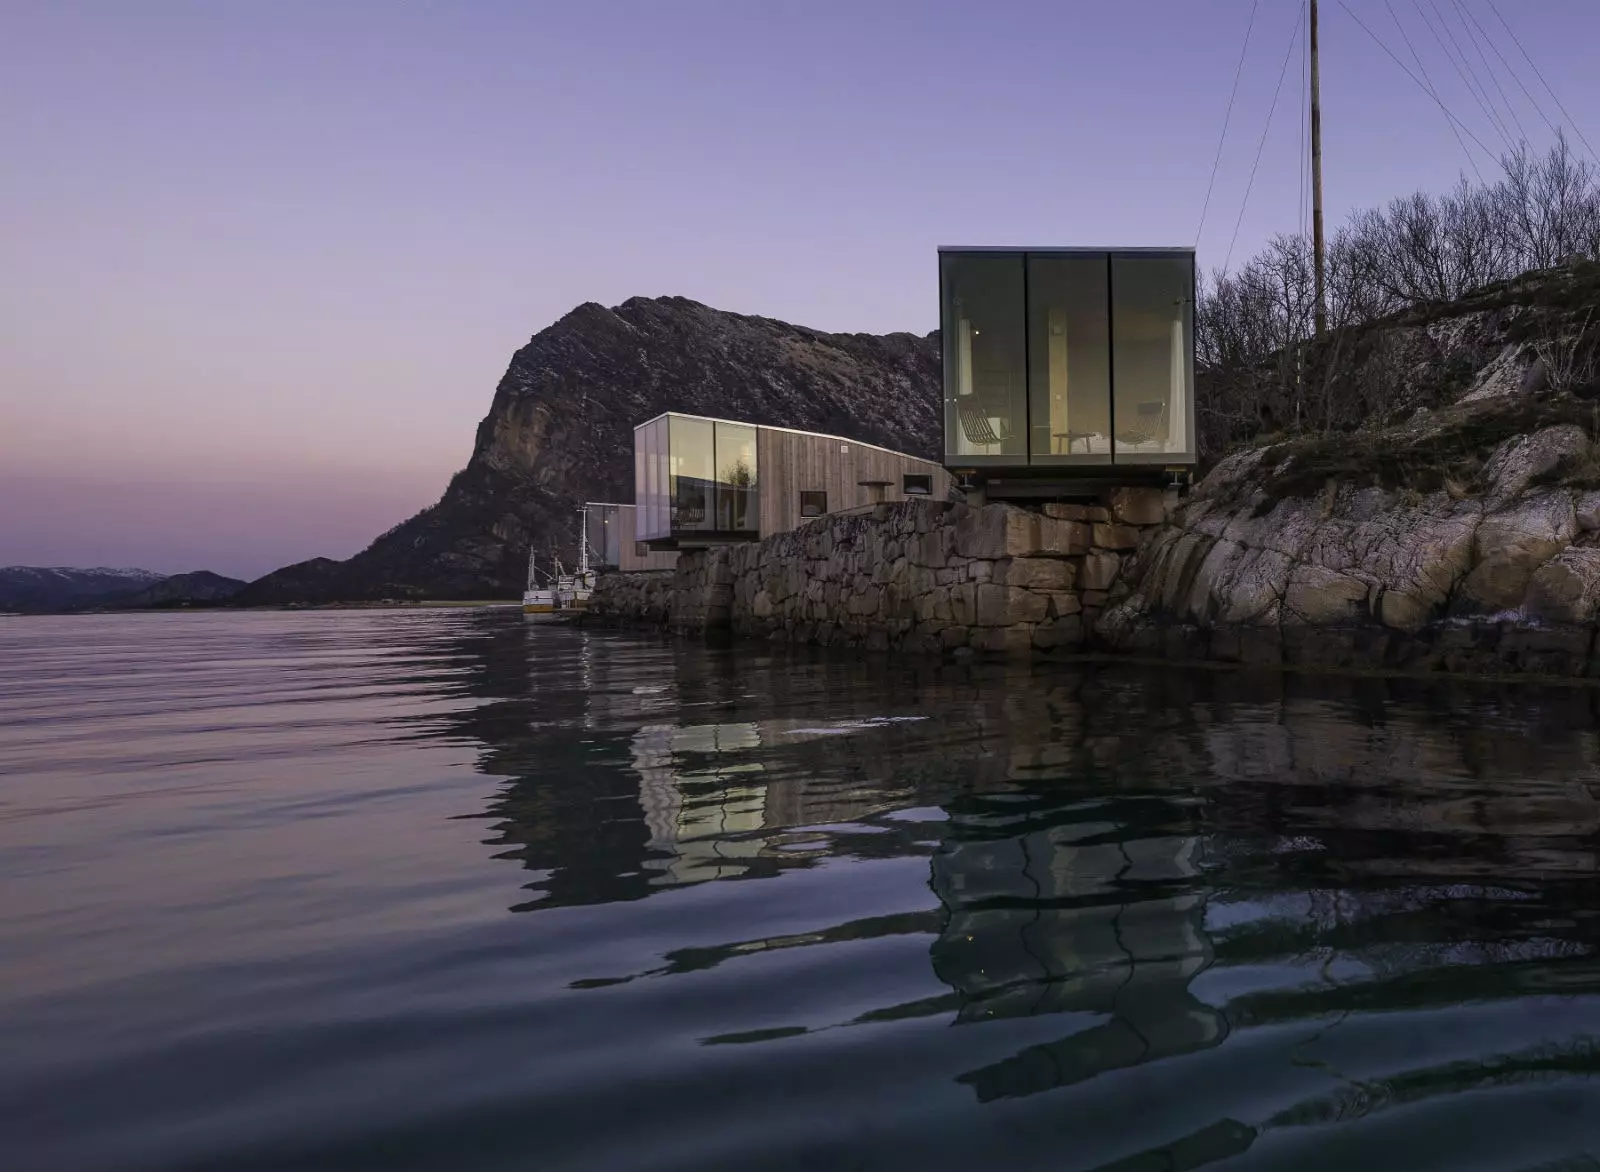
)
(813, 492)
(906, 479)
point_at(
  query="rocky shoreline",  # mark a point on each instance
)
(1504, 581)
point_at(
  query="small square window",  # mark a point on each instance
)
(640, 549)
(813, 504)
(917, 485)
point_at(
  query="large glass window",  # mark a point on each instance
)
(1151, 349)
(652, 480)
(985, 355)
(736, 503)
(1069, 360)
(604, 535)
(691, 444)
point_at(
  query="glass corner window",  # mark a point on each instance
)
(1152, 357)
(983, 327)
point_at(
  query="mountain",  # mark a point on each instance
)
(54, 588)
(560, 432)
(200, 586)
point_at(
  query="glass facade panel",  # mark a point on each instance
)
(651, 481)
(603, 530)
(982, 319)
(1069, 360)
(1152, 355)
(737, 503)
(691, 446)
(661, 478)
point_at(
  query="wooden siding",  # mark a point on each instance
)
(790, 462)
(627, 560)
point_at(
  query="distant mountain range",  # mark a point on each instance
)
(560, 431)
(49, 589)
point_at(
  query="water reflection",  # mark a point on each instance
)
(1074, 908)
(1340, 880)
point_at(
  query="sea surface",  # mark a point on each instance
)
(449, 889)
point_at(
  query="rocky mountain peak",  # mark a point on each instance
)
(559, 431)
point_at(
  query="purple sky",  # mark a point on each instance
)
(265, 261)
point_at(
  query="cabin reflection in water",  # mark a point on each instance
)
(1074, 919)
(703, 822)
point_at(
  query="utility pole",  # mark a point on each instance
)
(1318, 245)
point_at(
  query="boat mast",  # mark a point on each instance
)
(532, 580)
(583, 543)
(1318, 246)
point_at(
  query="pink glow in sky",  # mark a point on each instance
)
(266, 261)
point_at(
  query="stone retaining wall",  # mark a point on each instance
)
(917, 575)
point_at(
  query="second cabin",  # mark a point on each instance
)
(701, 482)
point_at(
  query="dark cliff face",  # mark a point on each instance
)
(560, 432)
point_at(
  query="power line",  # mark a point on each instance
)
(1537, 73)
(1413, 77)
(1283, 72)
(1468, 75)
(1462, 14)
(1427, 84)
(1226, 118)
(1512, 73)
(1464, 71)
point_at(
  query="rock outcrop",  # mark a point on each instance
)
(560, 431)
(1462, 533)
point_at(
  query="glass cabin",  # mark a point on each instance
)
(695, 481)
(1068, 362)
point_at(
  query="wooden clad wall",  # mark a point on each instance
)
(628, 561)
(788, 463)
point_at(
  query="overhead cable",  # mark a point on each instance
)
(1294, 38)
(1226, 118)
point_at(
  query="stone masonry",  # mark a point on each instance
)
(919, 575)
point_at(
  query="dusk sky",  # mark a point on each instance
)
(265, 260)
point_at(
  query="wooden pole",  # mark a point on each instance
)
(1318, 245)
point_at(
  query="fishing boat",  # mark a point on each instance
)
(539, 600)
(573, 590)
(561, 594)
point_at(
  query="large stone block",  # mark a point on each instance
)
(1114, 536)
(1100, 569)
(1063, 603)
(1060, 538)
(999, 606)
(1136, 505)
(1036, 573)
(1063, 511)
(995, 531)
(964, 603)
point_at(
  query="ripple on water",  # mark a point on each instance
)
(422, 889)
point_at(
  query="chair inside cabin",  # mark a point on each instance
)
(979, 428)
(1148, 426)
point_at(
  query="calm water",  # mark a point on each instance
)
(441, 889)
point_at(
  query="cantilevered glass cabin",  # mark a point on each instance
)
(1065, 364)
(700, 482)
